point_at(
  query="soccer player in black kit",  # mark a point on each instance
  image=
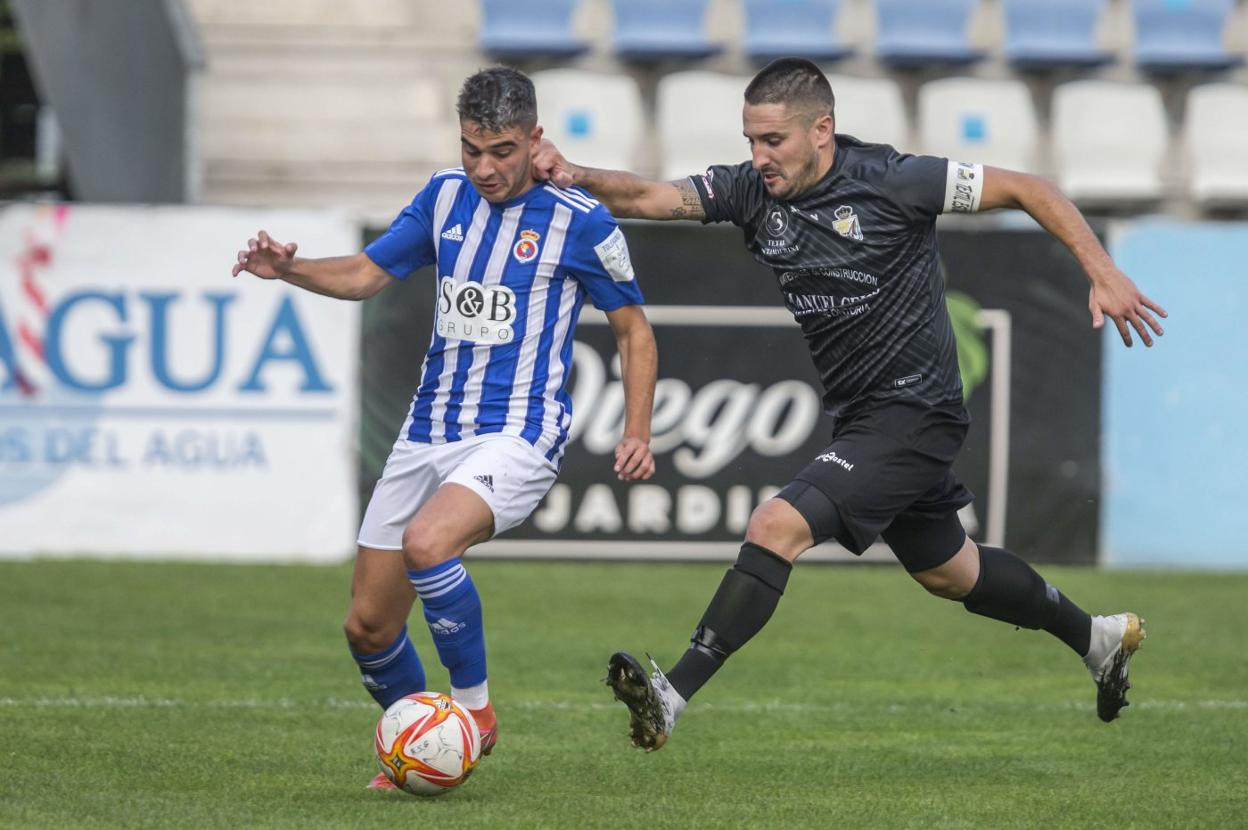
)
(849, 230)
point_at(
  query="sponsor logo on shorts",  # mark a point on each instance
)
(908, 380)
(488, 481)
(833, 458)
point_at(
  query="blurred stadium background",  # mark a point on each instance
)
(152, 409)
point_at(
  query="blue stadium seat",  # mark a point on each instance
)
(533, 29)
(918, 32)
(775, 28)
(655, 30)
(1181, 35)
(1051, 34)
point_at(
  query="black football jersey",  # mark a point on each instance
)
(856, 261)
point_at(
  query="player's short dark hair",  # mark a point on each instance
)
(795, 82)
(498, 98)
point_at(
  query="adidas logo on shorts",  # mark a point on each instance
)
(488, 481)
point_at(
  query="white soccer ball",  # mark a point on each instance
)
(427, 743)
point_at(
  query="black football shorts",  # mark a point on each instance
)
(888, 472)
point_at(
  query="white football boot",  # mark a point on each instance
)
(653, 705)
(1114, 640)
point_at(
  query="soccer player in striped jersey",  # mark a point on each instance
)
(489, 422)
(849, 231)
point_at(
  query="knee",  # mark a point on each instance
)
(776, 525)
(944, 583)
(369, 634)
(421, 547)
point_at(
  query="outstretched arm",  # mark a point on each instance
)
(639, 361)
(626, 195)
(354, 277)
(1112, 294)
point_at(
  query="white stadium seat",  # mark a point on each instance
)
(699, 121)
(1217, 144)
(594, 119)
(1109, 141)
(871, 109)
(978, 121)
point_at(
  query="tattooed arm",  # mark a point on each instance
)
(627, 196)
(632, 197)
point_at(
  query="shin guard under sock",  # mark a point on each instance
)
(745, 601)
(1010, 590)
(393, 672)
(453, 611)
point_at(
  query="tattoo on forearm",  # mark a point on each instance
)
(690, 202)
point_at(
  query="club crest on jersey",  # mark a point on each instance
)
(476, 312)
(846, 223)
(526, 249)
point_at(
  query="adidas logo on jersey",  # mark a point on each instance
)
(455, 234)
(488, 481)
(445, 626)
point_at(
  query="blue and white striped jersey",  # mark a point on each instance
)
(511, 280)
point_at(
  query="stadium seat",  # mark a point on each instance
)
(775, 28)
(913, 33)
(533, 29)
(1051, 34)
(871, 109)
(594, 119)
(1217, 123)
(1109, 141)
(1181, 35)
(655, 30)
(698, 117)
(984, 122)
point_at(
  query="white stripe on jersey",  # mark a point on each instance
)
(526, 362)
(443, 205)
(448, 170)
(585, 198)
(450, 353)
(481, 352)
(556, 371)
(446, 199)
(572, 200)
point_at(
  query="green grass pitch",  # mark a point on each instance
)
(146, 695)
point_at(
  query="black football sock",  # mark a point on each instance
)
(1010, 590)
(746, 598)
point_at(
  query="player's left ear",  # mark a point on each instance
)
(823, 130)
(535, 137)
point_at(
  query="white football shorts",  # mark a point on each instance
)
(508, 472)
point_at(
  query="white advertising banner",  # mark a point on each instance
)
(153, 407)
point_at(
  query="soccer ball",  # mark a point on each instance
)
(427, 743)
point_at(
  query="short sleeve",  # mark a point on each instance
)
(926, 186)
(729, 193)
(408, 245)
(598, 259)
(916, 184)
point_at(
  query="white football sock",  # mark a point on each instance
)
(474, 697)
